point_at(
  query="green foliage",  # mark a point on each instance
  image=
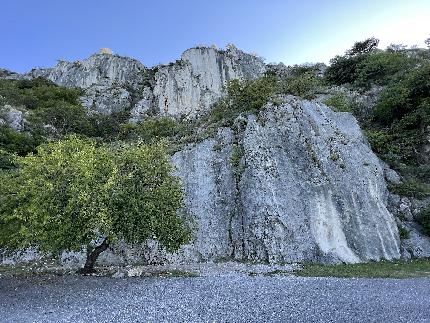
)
(424, 219)
(380, 68)
(73, 191)
(363, 65)
(108, 127)
(37, 93)
(153, 129)
(235, 161)
(381, 142)
(410, 93)
(304, 85)
(383, 269)
(15, 142)
(339, 102)
(342, 69)
(402, 115)
(411, 188)
(57, 121)
(403, 232)
(363, 47)
(249, 95)
(6, 160)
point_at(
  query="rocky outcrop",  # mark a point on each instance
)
(12, 117)
(407, 212)
(295, 183)
(309, 189)
(112, 83)
(187, 87)
(98, 69)
(191, 85)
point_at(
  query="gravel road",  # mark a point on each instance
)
(227, 298)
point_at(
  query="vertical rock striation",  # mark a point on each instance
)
(191, 85)
(311, 190)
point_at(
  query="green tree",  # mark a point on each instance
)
(343, 69)
(73, 193)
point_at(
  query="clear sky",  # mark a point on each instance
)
(35, 33)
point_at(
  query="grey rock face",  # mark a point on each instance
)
(191, 85)
(111, 82)
(12, 116)
(210, 195)
(187, 87)
(311, 190)
(407, 211)
(143, 107)
(97, 69)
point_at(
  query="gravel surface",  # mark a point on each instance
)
(230, 298)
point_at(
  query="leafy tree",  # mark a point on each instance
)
(363, 47)
(380, 68)
(343, 69)
(74, 192)
(404, 95)
(244, 95)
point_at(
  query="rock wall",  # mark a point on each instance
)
(310, 189)
(189, 86)
(111, 82)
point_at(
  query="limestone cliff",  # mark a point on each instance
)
(295, 182)
(311, 189)
(189, 86)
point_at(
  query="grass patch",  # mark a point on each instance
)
(31, 269)
(381, 269)
(174, 273)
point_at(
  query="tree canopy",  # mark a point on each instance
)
(72, 192)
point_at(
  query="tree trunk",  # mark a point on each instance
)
(92, 258)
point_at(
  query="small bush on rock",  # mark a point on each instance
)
(339, 102)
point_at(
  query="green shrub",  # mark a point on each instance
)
(342, 70)
(407, 94)
(380, 141)
(6, 160)
(403, 232)
(12, 141)
(305, 85)
(243, 96)
(108, 127)
(424, 219)
(66, 118)
(411, 188)
(380, 68)
(235, 161)
(339, 102)
(152, 129)
(36, 93)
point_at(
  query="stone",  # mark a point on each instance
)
(13, 117)
(417, 245)
(311, 191)
(111, 82)
(191, 85)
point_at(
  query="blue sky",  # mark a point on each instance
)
(37, 33)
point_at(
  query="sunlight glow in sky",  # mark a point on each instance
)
(37, 33)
